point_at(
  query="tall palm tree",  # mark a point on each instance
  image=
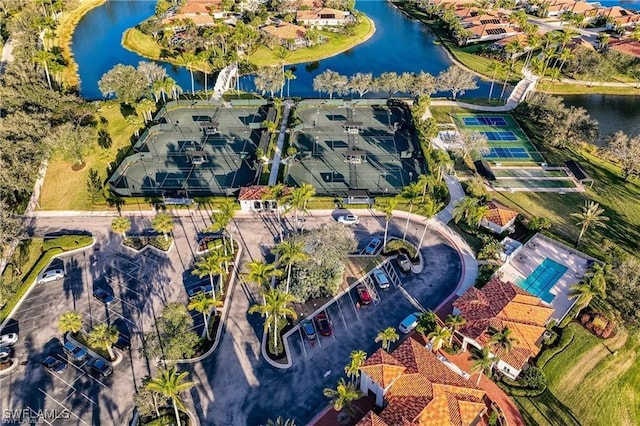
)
(427, 210)
(121, 225)
(343, 396)
(281, 54)
(210, 266)
(591, 214)
(298, 199)
(454, 322)
(273, 310)
(482, 362)
(189, 62)
(220, 219)
(464, 208)
(70, 322)
(145, 108)
(289, 75)
(290, 252)
(439, 337)
(261, 273)
(163, 222)
(387, 337)
(44, 58)
(387, 207)
(203, 303)
(277, 193)
(503, 340)
(352, 370)
(281, 422)
(170, 383)
(104, 336)
(591, 290)
(493, 67)
(412, 194)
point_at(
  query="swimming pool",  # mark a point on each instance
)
(543, 278)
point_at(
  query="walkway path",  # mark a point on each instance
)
(225, 78)
(7, 55)
(277, 157)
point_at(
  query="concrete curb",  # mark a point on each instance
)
(26, 293)
(93, 354)
(13, 366)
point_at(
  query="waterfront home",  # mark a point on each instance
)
(486, 32)
(414, 386)
(324, 17)
(289, 35)
(628, 47)
(500, 45)
(495, 307)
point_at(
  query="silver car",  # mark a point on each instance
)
(51, 275)
(8, 339)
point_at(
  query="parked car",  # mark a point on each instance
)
(409, 323)
(381, 278)
(350, 219)
(309, 329)
(78, 353)
(373, 246)
(51, 275)
(323, 323)
(54, 364)
(404, 263)
(363, 293)
(8, 339)
(123, 343)
(192, 292)
(101, 367)
(5, 352)
(103, 295)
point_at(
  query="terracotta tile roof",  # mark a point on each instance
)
(256, 192)
(383, 368)
(427, 392)
(581, 7)
(199, 20)
(194, 8)
(285, 31)
(628, 47)
(497, 213)
(372, 419)
(489, 29)
(324, 13)
(522, 38)
(498, 305)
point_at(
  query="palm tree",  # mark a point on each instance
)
(592, 290)
(427, 210)
(503, 340)
(463, 209)
(387, 207)
(387, 336)
(121, 225)
(163, 222)
(289, 75)
(290, 252)
(210, 266)
(454, 322)
(104, 336)
(170, 383)
(298, 199)
(482, 362)
(343, 396)
(277, 193)
(353, 369)
(274, 309)
(136, 122)
(281, 422)
(44, 58)
(203, 303)
(439, 337)
(412, 193)
(591, 214)
(261, 273)
(220, 219)
(145, 107)
(70, 322)
(189, 62)
(493, 67)
(281, 53)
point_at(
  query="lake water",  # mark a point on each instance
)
(612, 112)
(399, 44)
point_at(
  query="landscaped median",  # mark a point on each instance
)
(30, 258)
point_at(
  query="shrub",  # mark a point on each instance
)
(399, 245)
(534, 378)
(563, 342)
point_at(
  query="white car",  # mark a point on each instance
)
(8, 339)
(51, 275)
(409, 323)
(350, 219)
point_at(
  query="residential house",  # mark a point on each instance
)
(500, 45)
(414, 387)
(486, 32)
(449, 3)
(628, 47)
(498, 218)
(289, 35)
(616, 17)
(500, 305)
(255, 199)
(324, 17)
(466, 12)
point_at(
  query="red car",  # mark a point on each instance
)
(323, 323)
(363, 293)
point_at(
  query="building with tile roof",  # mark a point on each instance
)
(628, 47)
(498, 218)
(414, 387)
(499, 305)
(290, 35)
(324, 17)
(255, 198)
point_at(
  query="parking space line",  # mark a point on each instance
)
(306, 356)
(61, 405)
(342, 314)
(354, 305)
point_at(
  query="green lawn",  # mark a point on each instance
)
(444, 114)
(593, 382)
(336, 43)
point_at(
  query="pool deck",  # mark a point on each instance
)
(532, 254)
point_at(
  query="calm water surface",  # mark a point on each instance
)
(399, 44)
(612, 112)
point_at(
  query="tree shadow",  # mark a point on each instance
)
(127, 110)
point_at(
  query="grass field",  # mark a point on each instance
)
(337, 43)
(593, 382)
(65, 189)
(444, 114)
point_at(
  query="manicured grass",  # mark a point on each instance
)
(65, 189)
(578, 89)
(592, 382)
(66, 27)
(444, 114)
(336, 43)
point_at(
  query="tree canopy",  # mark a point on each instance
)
(123, 82)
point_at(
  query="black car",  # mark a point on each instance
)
(53, 363)
(123, 343)
(103, 296)
(101, 367)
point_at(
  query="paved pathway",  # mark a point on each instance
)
(275, 166)
(7, 55)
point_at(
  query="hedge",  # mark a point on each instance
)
(565, 340)
(396, 245)
(517, 391)
(67, 242)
